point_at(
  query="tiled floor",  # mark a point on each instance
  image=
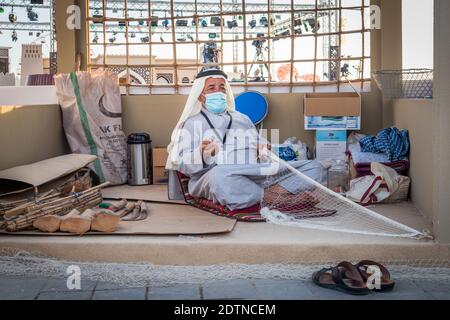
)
(51, 289)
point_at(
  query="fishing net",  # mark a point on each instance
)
(293, 198)
(17, 263)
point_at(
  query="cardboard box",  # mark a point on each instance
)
(331, 145)
(159, 156)
(160, 175)
(159, 159)
(332, 123)
(332, 111)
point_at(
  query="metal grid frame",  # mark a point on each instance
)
(319, 8)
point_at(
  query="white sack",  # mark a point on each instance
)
(92, 119)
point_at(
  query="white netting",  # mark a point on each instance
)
(20, 263)
(294, 199)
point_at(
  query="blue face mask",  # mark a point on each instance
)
(216, 102)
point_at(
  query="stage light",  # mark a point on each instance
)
(232, 24)
(264, 21)
(215, 21)
(14, 36)
(32, 16)
(12, 17)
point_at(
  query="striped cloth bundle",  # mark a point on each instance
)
(390, 141)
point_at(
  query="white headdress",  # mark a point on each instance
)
(193, 107)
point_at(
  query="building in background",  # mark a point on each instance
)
(32, 62)
(139, 74)
(4, 59)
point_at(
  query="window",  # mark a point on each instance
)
(27, 42)
(160, 45)
(418, 37)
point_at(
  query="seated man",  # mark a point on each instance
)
(219, 148)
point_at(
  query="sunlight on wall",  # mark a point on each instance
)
(6, 109)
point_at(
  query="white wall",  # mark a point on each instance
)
(418, 33)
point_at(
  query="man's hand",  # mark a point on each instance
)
(262, 147)
(264, 151)
(209, 148)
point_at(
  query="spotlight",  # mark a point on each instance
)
(232, 24)
(112, 40)
(132, 35)
(38, 34)
(181, 23)
(154, 21)
(97, 18)
(264, 21)
(165, 23)
(204, 23)
(32, 16)
(215, 21)
(95, 40)
(252, 23)
(30, 33)
(145, 39)
(12, 17)
(345, 70)
(14, 37)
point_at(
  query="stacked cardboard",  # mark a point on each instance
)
(331, 115)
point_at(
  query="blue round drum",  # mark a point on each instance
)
(253, 104)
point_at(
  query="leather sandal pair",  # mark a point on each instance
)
(352, 279)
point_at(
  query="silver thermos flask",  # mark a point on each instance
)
(139, 159)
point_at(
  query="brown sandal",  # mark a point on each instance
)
(386, 283)
(344, 277)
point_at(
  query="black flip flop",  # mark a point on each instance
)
(344, 278)
(386, 283)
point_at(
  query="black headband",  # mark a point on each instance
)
(212, 72)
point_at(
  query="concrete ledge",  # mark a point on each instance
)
(249, 243)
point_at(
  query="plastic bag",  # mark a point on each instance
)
(92, 120)
(291, 149)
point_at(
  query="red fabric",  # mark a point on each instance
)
(249, 214)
